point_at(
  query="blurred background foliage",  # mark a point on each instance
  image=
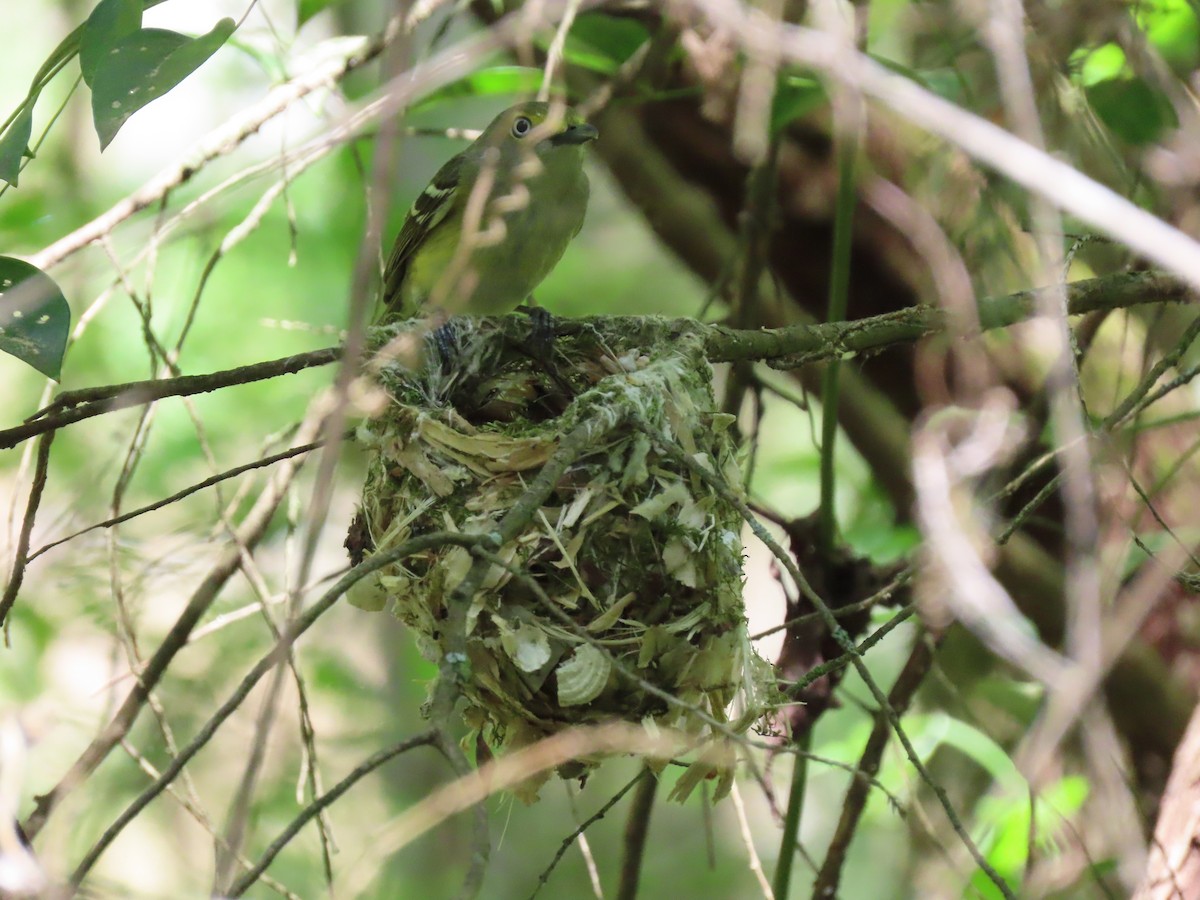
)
(1114, 80)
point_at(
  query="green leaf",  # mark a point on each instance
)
(603, 43)
(34, 316)
(144, 66)
(795, 97)
(944, 81)
(14, 145)
(110, 22)
(1173, 30)
(616, 37)
(309, 8)
(487, 82)
(1136, 112)
(1104, 63)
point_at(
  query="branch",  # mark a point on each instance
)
(75, 406)
(324, 802)
(1059, 182)
(783, 348)
(248, 535)
(31, 508)
(907, 682)
(180, 495)
(294, 630)
(570, 839)
(793, 346)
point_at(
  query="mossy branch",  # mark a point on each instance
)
(782, 348)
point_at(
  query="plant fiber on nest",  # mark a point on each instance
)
(641, 556)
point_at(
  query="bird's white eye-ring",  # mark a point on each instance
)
(521, 127)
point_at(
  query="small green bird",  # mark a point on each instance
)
(495, 219)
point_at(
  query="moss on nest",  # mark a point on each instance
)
(640, 555)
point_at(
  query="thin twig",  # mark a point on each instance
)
(219, 142)
(587, 823)
(839, 634)
(294, 630)
(747, 836)
(1059, 182)
(179, 495)
(76, 406)
(250, 533)
(31, 507)
(323, 802)
(784, 347)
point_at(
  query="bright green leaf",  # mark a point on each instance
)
(618, 38)
(1007, 817)
(1102, 64)
(488, 82)
(795, 97)
(110, 22)
(143, 67)
(14, 145)
(309, 8)
(1172, 28)
(34, 316)
(582, 56)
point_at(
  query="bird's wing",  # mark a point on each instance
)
(428, 210)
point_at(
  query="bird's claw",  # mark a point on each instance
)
(542, 331)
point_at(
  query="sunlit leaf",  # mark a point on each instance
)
(143, 67)
(14, 145)
(34, 316)
(1008, 817)
(489, 82)
(110, 23)
(1173, 30)
(309, 8)
(1102, 64)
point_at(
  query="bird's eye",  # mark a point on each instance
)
(521, 127)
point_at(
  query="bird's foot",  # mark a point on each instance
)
(447, 344)
(541, 332)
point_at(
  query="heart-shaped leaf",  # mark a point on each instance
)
(144, 66)
(110, 22)
(34, 316)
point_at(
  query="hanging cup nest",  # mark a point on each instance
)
(640, 560)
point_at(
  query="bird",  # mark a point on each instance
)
(495, 219)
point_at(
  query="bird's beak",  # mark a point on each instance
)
(575, 134)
